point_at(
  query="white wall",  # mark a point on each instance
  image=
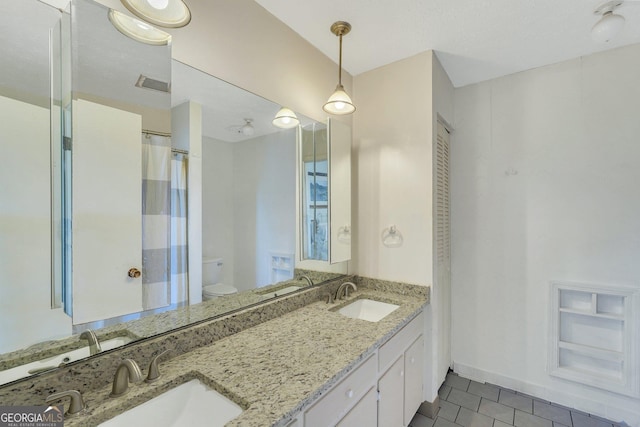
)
(544, 186)
(394, 127)
(217, 204)
(186, 126)
(249, 204)
(392, 170)
(25, 226)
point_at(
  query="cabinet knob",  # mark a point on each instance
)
(349, 393)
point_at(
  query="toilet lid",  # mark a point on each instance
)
(219, 289)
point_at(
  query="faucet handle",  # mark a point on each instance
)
(77, 404)
(330, 298)
(154, 372)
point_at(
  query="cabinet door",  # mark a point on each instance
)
(413, 368)
(363, 414)
(391, 388)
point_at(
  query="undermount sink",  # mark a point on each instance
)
(52, 362)
(279, 292)
(192, 403)
(368, 309)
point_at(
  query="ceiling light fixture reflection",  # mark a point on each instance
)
(165, 13)
(247, 129)
(610, 25)
(138, 30)
(339, 102)
(285, 119)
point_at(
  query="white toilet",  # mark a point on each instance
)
(211, 277)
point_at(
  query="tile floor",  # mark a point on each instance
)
(468, 403)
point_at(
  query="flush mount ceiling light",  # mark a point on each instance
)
(610, 24)
(138, 30)
(285, 119)
(165, 13)
(339, 102)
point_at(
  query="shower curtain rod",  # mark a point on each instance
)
(173, 150)
(153, 132)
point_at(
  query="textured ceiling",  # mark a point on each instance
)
(475, 40)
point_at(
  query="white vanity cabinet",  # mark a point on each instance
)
(385, 390)
(401, 372)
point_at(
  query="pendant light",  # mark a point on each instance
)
(339, 102)
(165, 13)
(285, 119)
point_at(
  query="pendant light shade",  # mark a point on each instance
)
(339, 102)
(138, 30)
(285, 119)
(165, 13)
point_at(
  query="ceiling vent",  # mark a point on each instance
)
(153, 84)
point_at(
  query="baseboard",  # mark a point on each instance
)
(627, 413)
(430, 409)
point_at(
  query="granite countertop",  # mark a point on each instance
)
(273, 369)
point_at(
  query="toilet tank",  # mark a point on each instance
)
(211, 271)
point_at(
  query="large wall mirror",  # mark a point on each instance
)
(89, 200)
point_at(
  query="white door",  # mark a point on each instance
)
(107, 204)
(442, 285)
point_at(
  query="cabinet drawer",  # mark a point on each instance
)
(390, 350)
(335, 404)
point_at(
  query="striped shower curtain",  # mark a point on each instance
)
(156, 221)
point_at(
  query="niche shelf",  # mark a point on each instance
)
(593, 330)
(281, 265)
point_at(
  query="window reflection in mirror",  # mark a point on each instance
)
(315, 191)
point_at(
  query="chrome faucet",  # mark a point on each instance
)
(77, 404)
(345, 288)
(94, 344)
(128, 370)
(309, 281)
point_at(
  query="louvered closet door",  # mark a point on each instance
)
(443, 243)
